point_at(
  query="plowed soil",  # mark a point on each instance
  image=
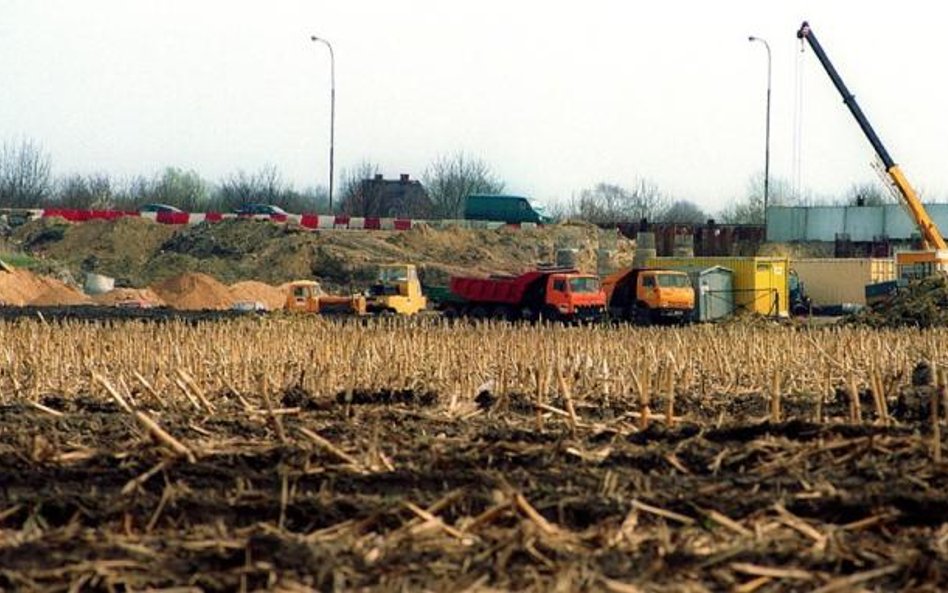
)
(385, 491)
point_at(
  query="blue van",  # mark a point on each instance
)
(504, 208)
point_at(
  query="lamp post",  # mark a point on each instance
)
(332, 110)
(767, 146)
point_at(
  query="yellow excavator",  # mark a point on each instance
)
(910, 265)
(396, 290)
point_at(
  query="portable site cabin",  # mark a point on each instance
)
(714, 292)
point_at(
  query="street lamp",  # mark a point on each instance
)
(332, 110)
(767, 147)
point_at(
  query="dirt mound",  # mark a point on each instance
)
(20, 287)
(118, 295)
(119, 248)
(58, 294)
(138, 252)
(194, 291)
(272, 297)
(921, 304)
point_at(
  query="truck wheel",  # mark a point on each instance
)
(528, 314)
(640, 315)
(500, 313)
(478, 312)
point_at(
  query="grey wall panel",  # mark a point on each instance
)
(898, 224)
(785, 224)
(863, 224)
(939, 213)
(822, 223)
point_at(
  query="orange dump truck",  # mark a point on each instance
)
(562, 294)
(650, 295)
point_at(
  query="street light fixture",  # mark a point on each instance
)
(767, 146)
(332, 110)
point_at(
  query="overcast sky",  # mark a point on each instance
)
(554, 96)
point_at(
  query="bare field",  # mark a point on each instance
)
(300, 454)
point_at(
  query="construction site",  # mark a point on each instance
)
(191, 402)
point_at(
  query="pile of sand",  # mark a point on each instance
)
(118, 295)
(20, 287)
(17, 287)
(58, 294)
(271, 297)
(194, 291)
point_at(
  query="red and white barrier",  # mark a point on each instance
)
(306, 221)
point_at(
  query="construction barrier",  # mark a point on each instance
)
(306, 221)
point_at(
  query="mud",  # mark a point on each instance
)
(514, 501)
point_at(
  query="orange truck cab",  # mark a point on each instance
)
(650, 295)
(573, 296)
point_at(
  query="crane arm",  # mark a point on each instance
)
(926, 226)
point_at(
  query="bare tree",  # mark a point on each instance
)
(750, 208)
(610, 202)
(866, 194)
(266, 186)
(450, 179)
(25, 179)
(684, 212)
(357, 197)
(87, 192)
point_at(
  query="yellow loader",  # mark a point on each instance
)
(396, 291)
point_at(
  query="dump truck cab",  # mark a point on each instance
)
(650, 295)
(573, 296)
(396, 290)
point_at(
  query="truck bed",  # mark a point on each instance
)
(507, 291)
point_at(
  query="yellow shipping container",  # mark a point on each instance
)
(760, 283)
(834, 281)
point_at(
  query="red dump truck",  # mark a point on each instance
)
(562, 294)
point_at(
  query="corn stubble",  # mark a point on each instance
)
(181, 366)
(425, 455)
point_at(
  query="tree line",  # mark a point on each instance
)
(27, 181)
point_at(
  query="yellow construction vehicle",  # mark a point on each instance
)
(306, 296)
(910, 265)
(397, 290)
